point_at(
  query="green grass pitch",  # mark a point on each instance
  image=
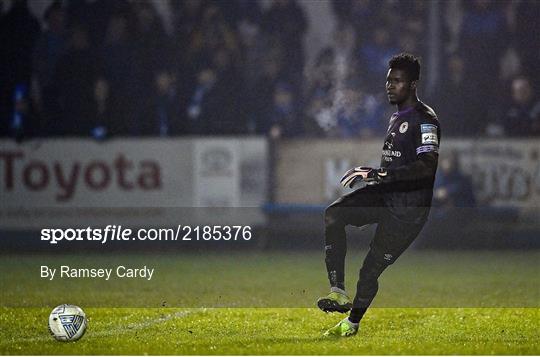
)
(262, 303)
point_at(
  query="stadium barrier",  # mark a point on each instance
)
(505, 181)
(505, 173)
(279, 188)
(76, 182)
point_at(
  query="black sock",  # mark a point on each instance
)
(340, 286)
(357, 313)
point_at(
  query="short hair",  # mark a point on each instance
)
(408, 63)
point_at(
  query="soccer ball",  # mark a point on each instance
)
(67, 322)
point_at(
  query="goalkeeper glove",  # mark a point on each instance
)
(369, 175)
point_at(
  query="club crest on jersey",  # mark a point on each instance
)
(403, 127)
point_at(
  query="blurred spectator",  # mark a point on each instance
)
(119, 69)
(413, 14)
(349, 113)
(101, 126)
(188, 15)
(455, 100)
(217, 33)
(259, 98)
(231, 119)
(19, 31)
(509, 65)
(452, 187)
(254, 47)
(23, 122)
(483, 41)
(345, 62)
(75, 77)
(152, 46)
(392, 15)
(153, 52)
(361, 14)
(523, 116)
(161, 115)
(49, 48)
(284, 119)
(188, 23)
(286, 23)
(239, 12)
(341, 10)
(211, 108)
(212, 34)
(94, 15)
(374, 55)
(408, 42)
(372, 111)
(322, 76)
(452, 20)
(526, 35)
(202, 102)
(413, 26)
(228, 57)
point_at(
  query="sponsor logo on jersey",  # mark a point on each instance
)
(403, 127)
(394, 153)
(428, 128)
(429, 138)
(388, 155)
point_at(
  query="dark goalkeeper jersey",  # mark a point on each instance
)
(410, 155)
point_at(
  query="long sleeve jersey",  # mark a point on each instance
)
(410, 156)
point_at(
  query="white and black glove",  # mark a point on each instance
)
(366, 174)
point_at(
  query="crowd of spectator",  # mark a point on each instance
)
(108, 68)
(490, 51)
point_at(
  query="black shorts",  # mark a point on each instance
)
(366, 206)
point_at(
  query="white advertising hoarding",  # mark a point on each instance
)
(85, 173)
(504, 172)
(69, 180)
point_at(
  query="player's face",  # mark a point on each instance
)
(398, 87)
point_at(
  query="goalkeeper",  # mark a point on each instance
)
(397, 196)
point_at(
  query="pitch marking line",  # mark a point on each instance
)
(120, 330)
